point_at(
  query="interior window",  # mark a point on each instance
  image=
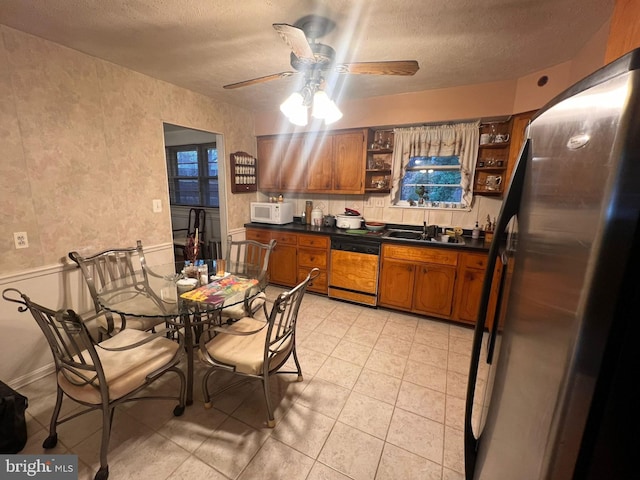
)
(193, 175)
(432, 180)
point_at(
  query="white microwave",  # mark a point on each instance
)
(274, 213)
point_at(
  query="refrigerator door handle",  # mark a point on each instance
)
(491, 341)
(510, 208)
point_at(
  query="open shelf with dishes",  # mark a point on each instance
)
(493, 157)
(379, 160)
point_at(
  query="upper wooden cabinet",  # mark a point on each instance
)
(281, 163)
(518, 131)
(332, 162)
(320, 163)
(293, 170)
(349, 161)
(268, 164)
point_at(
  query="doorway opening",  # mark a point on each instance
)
(196, 181)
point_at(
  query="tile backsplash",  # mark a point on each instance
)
(378, 208)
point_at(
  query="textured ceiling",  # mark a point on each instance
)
(205, 44)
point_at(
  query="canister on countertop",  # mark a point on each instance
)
(316, 217)
(307, 211)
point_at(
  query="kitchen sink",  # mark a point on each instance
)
(409, 235)
(414, 235)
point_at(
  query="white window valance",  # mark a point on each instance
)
(459, 139)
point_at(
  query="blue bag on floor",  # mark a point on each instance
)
(13, 427)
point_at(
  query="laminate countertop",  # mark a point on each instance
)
(471, 244)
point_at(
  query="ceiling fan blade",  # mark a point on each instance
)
(296, 39)
(401, 67)
(254, 81)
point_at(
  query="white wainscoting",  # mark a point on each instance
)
(25, 353)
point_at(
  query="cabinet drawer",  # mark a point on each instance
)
(284, 238)
(262, 236)
(420, 254)
(315, 241)
(472, 260)
(318, 284)
(308, 257)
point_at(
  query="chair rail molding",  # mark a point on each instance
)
(25, 354)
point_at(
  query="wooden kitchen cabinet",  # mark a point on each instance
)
(469, 287)
(320, 163)
(418, 279)
(349, 161)
(269, 171)
(333, 162)
(293, 167)
(518, 130)
(313, 252)
(433, 289)
(294, 256)
(282, 163)
(283, 269)
(471, 272)
(396, 279)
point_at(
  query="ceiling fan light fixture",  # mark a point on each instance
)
(333, 114)
(292, 105)
(321, 104)
(299, 117)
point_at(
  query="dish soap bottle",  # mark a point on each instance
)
(475, 233)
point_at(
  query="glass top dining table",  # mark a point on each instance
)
(157, 292)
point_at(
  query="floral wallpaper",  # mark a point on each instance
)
(83, 151)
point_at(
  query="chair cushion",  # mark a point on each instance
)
(136, 323)
(246, 352)
(237, 311)
(124, 370)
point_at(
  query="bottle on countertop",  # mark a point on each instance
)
(280, 198)
(475, 233)
(307, 211)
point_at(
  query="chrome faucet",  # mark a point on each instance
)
(424, 235)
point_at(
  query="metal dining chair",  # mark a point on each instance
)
(105, 375)
(197, 220)
(253, 348)
(248, 258)
(108, 266)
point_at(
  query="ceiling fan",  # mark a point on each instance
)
(313, 58)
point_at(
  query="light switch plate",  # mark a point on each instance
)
(157, 205)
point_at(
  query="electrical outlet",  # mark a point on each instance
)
(378, 202)
(20, 239)
(368, 202)
(157, 205)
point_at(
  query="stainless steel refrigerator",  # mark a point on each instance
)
(554, 378)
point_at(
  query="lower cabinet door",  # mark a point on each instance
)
(433, 289)
(283, 268)
(396, 280)
(469, 290)
(318, 284)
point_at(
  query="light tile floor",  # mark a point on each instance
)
(382, 398)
